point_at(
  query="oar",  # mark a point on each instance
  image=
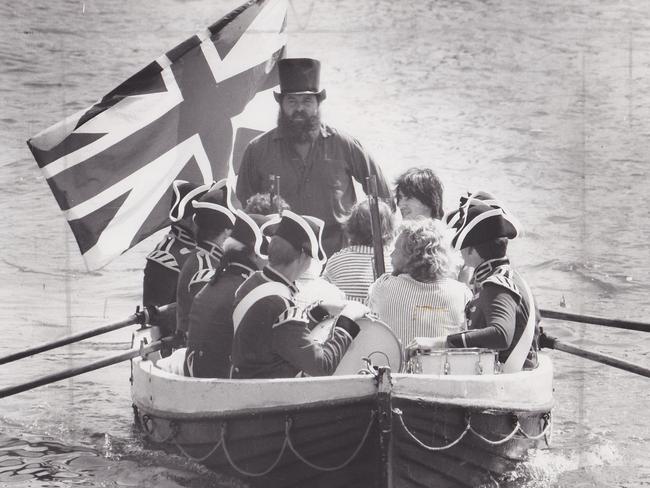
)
(550, 342)
(68, 373)
(590, 319)
(139, 317)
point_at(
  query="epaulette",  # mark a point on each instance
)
(204, 273)
(291, 314)
(504, 278)
(162, 255)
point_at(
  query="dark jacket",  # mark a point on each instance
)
(162, 269)
(272, 340)
(498, 313)
(210, 333)
(195, 274)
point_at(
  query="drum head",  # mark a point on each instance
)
(375, 341)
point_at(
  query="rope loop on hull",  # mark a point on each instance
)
(331, 468)
(468, 428)
(148, 423)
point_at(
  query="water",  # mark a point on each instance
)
(546, 105)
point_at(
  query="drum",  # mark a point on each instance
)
(470, 361)
(375, 341)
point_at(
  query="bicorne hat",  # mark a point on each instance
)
(215, 207)
(299, 76)
(183, 193)
(303, 233)
(480, 218)
(251, 230)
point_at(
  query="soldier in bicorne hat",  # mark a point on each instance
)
(214, 218)
(166, 260)
(271, 331)
(502, 314)
(315, 162)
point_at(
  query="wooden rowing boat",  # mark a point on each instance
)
(379, 429)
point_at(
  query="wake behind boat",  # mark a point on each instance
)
(378, 429)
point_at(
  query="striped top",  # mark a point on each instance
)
(416, 309)
(352, 270)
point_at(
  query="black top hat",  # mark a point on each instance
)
(481, 220)
(215, 207)
(302, 232)
(183, 193)
(299, 76)
(250, 230)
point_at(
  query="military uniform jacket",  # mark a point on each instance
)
(195, 274)
(272, 338)
(209, 338)
(163, 266)
(498, 313)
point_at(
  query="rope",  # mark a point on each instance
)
(468, 427)
(197, 459)
(243, 471)
(500, 441)
(543, 433)
(398, 412)
(331, 468)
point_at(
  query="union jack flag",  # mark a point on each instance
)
(188, 115)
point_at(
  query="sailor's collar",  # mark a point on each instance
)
(324, 131)
(484, 270)
(182, 235)
(274, 275)
(210, 248)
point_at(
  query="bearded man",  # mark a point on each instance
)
(315, 162)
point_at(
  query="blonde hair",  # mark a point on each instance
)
(427, 245)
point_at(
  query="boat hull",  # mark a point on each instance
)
(355, 430)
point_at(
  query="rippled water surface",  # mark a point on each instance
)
(546, 104)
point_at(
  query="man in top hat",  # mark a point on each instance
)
(315, 162)
(271, 332)
(214, 218)
(502, 314)
(166, 260)
(209, 339)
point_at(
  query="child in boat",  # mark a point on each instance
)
(421, 298)
(351, 269)
(272, 334)
(502, 315)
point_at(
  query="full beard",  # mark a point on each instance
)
(299, 130)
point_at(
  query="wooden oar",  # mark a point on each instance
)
(550, 342)
(590, 319)
(140, 317)
(68, 373)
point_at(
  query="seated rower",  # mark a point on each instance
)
(352, 269)
(210, 333)
(502, 315)
(214, 219)
(165, 262)
(421, 298)
(271, 332)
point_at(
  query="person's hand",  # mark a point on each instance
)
(332, 305)
(354, 310)
(427, 343)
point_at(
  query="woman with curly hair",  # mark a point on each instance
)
(421, 297)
